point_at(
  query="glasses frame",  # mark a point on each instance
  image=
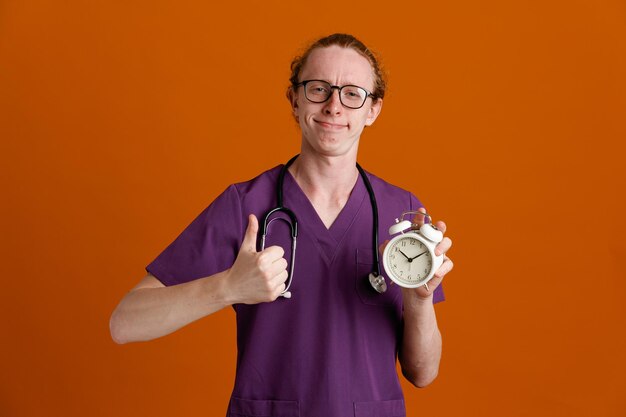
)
(337, 87)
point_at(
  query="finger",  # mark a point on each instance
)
(273, 253)
(441, 226)
(277, 267)
(278, 291)
(434, 282)
(383, 245)
(276, 288)
(445, 267)
(250, 238)
(419, 218)
(444, 246)
(281, 278)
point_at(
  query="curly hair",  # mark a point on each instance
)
(345, 41)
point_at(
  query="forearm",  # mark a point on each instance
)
(420, 352)
(149, 313)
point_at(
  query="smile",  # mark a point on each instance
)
(328, 125)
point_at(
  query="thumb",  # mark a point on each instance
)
(250, 238)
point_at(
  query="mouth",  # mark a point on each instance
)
(329, 125)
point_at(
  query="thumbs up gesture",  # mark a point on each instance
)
(256, 277)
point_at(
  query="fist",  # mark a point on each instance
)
(257, 277)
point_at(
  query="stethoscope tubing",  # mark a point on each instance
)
(370, 191)
(294, 237)
(293, 223)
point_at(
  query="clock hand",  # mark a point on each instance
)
(404, 255)
(417, 255)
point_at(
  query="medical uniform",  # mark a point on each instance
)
(330, 350)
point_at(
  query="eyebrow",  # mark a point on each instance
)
(336, 85)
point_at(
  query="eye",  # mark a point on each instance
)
(318, 88)
(354, 93)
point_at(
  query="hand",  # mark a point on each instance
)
(440, 249)
(256, 277)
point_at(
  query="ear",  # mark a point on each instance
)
(374, 111)
(292, 96)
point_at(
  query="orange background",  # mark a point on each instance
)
(121, 121)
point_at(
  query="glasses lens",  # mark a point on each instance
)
(353, 96)
(317, 91)
(350, 95)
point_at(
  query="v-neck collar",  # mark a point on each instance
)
(328, 240)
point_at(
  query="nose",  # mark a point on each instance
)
(333, 105)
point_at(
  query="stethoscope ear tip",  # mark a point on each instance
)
(286, 294)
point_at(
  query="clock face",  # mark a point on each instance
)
(409, 260)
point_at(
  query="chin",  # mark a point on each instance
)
(329, 144)
(332, 148)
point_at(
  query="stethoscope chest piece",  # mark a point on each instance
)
(378, 283)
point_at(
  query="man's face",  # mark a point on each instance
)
(330, 128)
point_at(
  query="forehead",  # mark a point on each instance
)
(339, 66)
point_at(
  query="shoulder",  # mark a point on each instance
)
(263, 180)
(239, 196)
(262, 185)
(390, 194)
(379, 183)
(387, 189)
(255, 196)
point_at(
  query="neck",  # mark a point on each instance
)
(326, 181)
(326, 175)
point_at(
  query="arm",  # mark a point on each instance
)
(420, 351)
(151, 310)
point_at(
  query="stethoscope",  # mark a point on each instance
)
(376, 279)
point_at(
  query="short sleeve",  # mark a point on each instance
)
(207, 246)
(415, 203)
(438, 296)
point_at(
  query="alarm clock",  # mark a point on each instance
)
(409, 258)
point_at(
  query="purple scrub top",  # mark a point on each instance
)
(331, 349)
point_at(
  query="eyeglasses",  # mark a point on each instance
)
(318, 91)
